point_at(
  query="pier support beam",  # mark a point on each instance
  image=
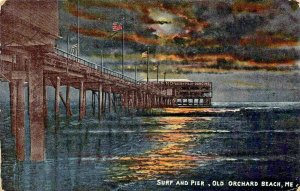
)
(149, 100)
(110, 99)
(103, 102)
(57, 98)
(100, 102)
(94, 102)
(126, 100)
(68, 101)
(84, 101)
(141, 102)
(20, 118)
(36, 97)
(115, 102)
(13, 106)
(45, 101)
(81, 101)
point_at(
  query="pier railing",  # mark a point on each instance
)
(97, 67)
(103, 70)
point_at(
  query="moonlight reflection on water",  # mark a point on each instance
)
(252, 143)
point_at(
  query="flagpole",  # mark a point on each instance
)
(157, 72)
(135, 72)
(148, 65)
(101, 61)
(78, 53)
(68, 44)
(68, 51)
(123, 45)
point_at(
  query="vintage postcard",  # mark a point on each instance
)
(134, 95)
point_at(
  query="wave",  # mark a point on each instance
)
(256, 105)
(187, 131)
(216, 158)
(258, 159)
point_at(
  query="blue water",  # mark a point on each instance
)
(256, 142)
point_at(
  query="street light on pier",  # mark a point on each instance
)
(101, 61)
(123, 28)
(78, 49)
(157, 72)
(135, 72)
(148, 65)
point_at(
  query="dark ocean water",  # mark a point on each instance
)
(255, 142)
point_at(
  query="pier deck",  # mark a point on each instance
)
(29, 30)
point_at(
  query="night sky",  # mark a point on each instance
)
(249, 48)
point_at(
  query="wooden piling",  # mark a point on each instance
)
(110, 109)
(160, 101)
(68, 101)
(125, 100)
(114, 102)
(103, 101)
(36, 110)
(149, 100)
(93, 102)
(13, 106)
(128, 100)
(100, 101)
(84, 102)
(20, 124)
(45, 101)
(57, 97)
(81, 101)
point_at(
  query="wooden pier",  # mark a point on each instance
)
(185, 94)
(29, 57)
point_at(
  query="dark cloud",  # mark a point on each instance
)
(261, 34)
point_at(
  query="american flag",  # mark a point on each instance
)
(145, 54)
(117, 26)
